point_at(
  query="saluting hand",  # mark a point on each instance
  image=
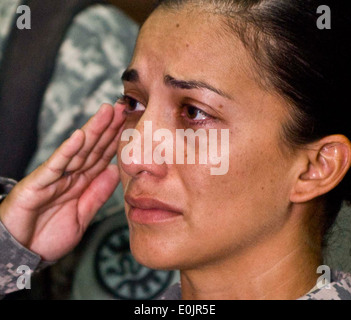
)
(49, 210)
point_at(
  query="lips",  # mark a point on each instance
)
(150, 211)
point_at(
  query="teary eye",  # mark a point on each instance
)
(132, 105)
(194, 113)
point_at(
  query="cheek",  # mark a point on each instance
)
(251, 186)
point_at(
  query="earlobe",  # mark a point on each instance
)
(328, 160)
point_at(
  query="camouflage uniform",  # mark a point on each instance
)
(339, 288)
(95, 52)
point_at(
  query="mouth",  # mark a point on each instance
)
(150, 211)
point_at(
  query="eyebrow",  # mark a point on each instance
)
(132, 75)
(192, 84)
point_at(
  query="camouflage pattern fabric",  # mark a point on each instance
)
(338, 289)
(13, 255)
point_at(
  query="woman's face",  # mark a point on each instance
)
(188, 73)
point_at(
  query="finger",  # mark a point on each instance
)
(106, 142)
(93, 130)
(109, 153)
(53, 169)
(96, 195)
(104, 160)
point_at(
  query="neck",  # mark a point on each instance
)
(283, 267)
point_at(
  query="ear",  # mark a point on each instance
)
(324, 164)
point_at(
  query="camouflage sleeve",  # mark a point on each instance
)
(97, 48)
(338, 289)
(12, 253)
(12, 256)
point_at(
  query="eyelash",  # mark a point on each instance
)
(127, 100)
(202, 122)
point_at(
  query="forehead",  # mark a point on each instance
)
(190, 43)
(182, 24)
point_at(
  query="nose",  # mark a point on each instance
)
(137, 152)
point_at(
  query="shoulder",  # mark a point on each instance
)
(338, 289)
(105, 24)
(174, 292)
(99, 43)
(104, 17)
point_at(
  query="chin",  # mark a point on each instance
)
(159, 255)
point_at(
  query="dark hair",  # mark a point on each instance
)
(308, 66)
